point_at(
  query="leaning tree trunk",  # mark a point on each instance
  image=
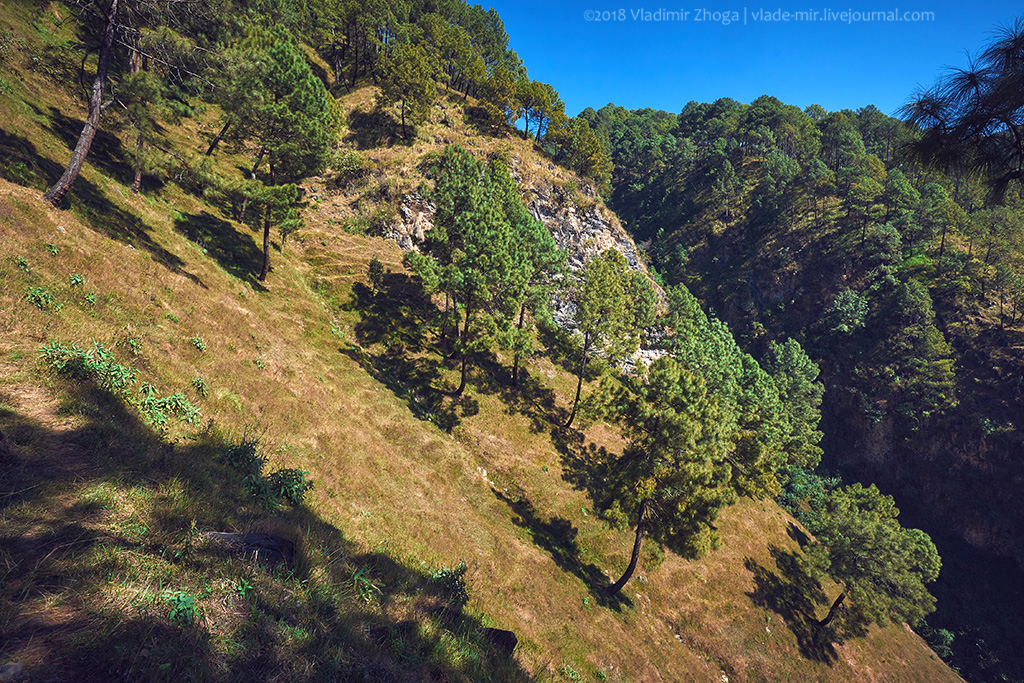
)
(216, 140)
(266, 230)
(824, 623)
(465, 352)
(641, 516)
(96, 106)
(517, 357)
(579, 384)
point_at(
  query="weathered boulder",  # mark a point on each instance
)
(265, 548)
(501, 640)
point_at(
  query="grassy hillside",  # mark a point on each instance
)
(105, 497)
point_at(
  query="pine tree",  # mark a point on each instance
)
(613, 306)
(673, 477)
(880, 566)
(468, 253)
(291, 117)
(407, 78)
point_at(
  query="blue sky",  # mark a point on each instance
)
(665, 64)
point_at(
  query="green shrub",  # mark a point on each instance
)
(290, 485)
(97, 363)
(77, 280)
(451, 585)
(158, 410)
(199, 384)
(246, 456)
(39, 297)
(198, 343)
(183, 608)
(280, 487)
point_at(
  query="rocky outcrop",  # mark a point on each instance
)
(414, 220)
(577, 220)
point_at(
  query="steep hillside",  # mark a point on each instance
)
(901, 281)
(117, 465)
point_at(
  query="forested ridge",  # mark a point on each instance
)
(819, 289)
(899, 273)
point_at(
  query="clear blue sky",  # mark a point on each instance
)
(665, 64)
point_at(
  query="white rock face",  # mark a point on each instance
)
(582, 231)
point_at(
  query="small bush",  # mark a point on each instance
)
(282, 486)
(246, 456)
(290, 485)
(198, 343)
(21, 263)
(98, 363)
(451, 584)
(183, 608)
(77, 280)
(40, 297)
(376, 273)
(364, 586)
(158, 410)
(199, 384)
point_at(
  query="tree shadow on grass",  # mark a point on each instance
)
(557, 537)
(106, 153)
(236, 253)
(795, 595)
(375, 128)
(21, 163)
(531, 398)
(394, 349)
(88, 587)
(586, 466)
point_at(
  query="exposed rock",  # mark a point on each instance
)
(503, 641)
(12, 671)
(415, 218)
(583, 231)
(260, 547)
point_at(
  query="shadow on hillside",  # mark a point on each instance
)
(106, 152)
(71, 539)
(237, 254)
(557, 537)
(391, 331)
(795, 595)
(584, 465)
(531, 398)
(375, 128)
(21, 163)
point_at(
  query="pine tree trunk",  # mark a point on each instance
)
(216, 140)
(266, 230)
(447, 316)
(56, 193)
(640, 518)
(515, 360)
(465, 353)
(579, 384)
(824, 623)
(137, 181)
(259, 160)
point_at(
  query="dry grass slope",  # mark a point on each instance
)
(97, 504)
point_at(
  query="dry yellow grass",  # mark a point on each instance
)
(289, 359)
